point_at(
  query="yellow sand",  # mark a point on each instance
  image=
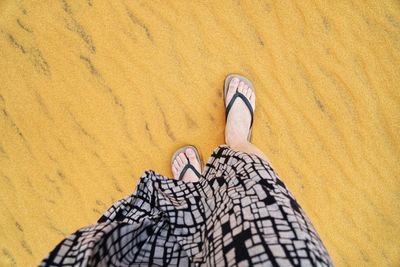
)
(95, 92)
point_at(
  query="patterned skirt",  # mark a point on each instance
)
(240, 213)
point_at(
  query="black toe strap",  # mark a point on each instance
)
(188, 166)
(245, 100)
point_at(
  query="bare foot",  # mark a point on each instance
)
(180, 162)
(239, 117)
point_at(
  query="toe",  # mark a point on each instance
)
(192, 156)
(241, 86)
(233, 84)
(193, 159)
(249, 93)
(176, 165)
(180, 162)
(253, 100)
(182, 156)
(174, 171)
(245, 89)
(190, 153)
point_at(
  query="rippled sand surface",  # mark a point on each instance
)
(95, 92)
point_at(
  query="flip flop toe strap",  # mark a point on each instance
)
(245, 100)
(189, 166)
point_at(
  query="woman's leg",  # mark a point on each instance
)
(275, 206)
(239, 118)
(250, 149)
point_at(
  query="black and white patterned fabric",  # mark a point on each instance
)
(240, 213)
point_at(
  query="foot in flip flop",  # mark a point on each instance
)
(180, 164)
(239, 119)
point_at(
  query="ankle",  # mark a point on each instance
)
(237, 144)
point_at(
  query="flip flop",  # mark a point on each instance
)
(188, 165)
(236, 95)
